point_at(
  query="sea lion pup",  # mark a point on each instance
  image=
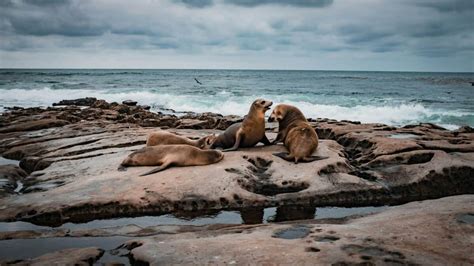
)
(296, 133)
(247, 133)
(162, 137)
(167, 155)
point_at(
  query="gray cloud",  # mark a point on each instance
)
(300, 3)
(195, 3)
(260, 32)
(50, 17)
(357, 35)
(43, 3)
(448, 5)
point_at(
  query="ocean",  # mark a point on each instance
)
(393, 98)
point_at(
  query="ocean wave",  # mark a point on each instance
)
(224, 103)
(52, 73)
(446, 80)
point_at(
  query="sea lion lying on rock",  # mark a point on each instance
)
(162, 137)
(167, 155)
(296, 133)
(247, 133)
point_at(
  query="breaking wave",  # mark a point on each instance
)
(226, 103)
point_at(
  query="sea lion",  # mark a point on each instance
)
(167, 155)
(296, 133)
(162, 137)
(247, 133)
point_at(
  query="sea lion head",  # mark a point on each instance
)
(286, 114)
(262, 104)
(215, 155)
(206, 142)
(278, 113)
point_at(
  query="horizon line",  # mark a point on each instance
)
(240, 69)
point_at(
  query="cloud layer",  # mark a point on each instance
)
(300, 34)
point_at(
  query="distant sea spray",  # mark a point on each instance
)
(393, 98)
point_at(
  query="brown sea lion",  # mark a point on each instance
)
(168, 155)
(162, 137)
(296, 133)
(247, 133)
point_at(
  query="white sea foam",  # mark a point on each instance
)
(225, 104)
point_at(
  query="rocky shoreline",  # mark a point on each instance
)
(68, 157)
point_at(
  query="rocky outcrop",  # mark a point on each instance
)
(432, 232)
(421, 233)
(69, 154)
(75, 256)
(75, 165)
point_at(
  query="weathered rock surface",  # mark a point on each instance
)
(78, 256)
(432, 232)
(427, 233)
(73, 167)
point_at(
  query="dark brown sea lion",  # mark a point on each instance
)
(168, 155)
(162, 137)
(248, 133)
(296, 133)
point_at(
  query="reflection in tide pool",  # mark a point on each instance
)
(245, 216)
(14, 249)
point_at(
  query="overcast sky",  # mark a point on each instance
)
(410, 35)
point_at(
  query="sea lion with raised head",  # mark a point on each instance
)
(247, 133)
(296, 133)
(162, 137)
(171, 155)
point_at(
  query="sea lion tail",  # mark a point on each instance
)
(285, 156)
(157, 169)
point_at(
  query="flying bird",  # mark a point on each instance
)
(197, 81)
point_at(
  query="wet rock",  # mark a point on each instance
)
(194, 124)
(102, 104)
(88, 101)
(34, 163)
(73, 256)
(122, 109)
(34, 125)
(227, 121)
(130, 103)
(12, 172)
(411, 234)
(465, 129)
(9, 177)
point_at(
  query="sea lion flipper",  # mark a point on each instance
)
(285, 156)
(265, 140)
(122, 168)
(238, 139)
(314, 158)
(157, 169)
(279, 137)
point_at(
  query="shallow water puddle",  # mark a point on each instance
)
(403, 136)
(249, 216)
(20, 249)
(294, 232)
(15, 249)
(5, 161)
(466, 218)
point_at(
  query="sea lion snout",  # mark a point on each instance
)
(267, 106)
(276, 115)
(263, 104)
